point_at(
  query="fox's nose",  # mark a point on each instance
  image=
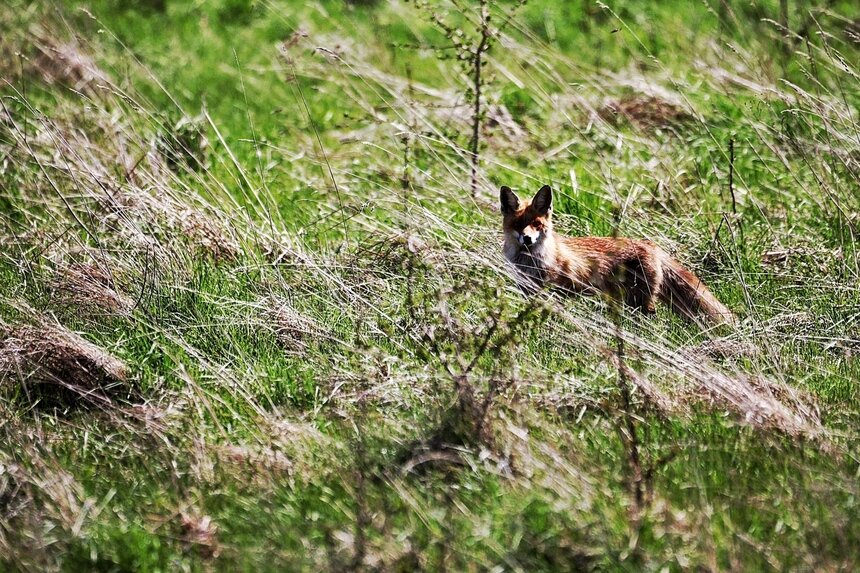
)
(527, 240)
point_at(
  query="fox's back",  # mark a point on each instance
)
(606, 246)
(603, 254)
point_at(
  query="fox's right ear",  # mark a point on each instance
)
(542, 202)
(509, 200)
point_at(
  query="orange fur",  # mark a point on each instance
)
(638, 271)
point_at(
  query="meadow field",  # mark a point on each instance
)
(255, 314)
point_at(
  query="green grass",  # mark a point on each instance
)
(281, 191)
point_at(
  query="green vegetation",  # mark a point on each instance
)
(254, 318)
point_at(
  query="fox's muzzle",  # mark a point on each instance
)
(528, 237)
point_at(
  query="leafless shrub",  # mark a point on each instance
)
(500, 129)
(452, 336)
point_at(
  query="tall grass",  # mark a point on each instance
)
(324, 367)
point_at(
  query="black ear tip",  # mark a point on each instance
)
(546, 189)
(505, 189)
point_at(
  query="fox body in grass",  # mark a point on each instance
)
(638, 270)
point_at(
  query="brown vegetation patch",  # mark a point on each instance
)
(41, 507)
(53, 355)
(644, 111)
(722, 348)
(293, 329)
(200, 533)
(90, 287)
(66, 64)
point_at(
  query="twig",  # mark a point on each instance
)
(732, 175)
(477, 65)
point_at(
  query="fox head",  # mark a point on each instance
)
(526, 223)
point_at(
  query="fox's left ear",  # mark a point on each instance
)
(542, 202)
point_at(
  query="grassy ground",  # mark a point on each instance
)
(254, 317)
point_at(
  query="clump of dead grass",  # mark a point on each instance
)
(42, 507)
(125, 185)
(294, 330)
(263, 466)
(199, 532)
(722, 348)
(646, 112)
(760, 402)
(64, 62)
(51, 355)
(90, 287)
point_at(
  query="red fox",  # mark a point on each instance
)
(637, 270)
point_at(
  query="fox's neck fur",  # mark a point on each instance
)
(549, 260)
(535, 260)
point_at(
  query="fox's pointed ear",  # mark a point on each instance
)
(542, 202)
(509, 200)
